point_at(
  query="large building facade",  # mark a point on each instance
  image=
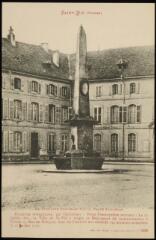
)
(37, 91)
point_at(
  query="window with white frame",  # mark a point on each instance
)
(64, 143)
(132, 88)
(97, 114)
(115, 89)
(17, 109)
(115, 114)
(131, 142)
(17, 140)
(64, 113)
(17, 83)
(34, 111)
(98, 91)
(114, 142)
(51, 142)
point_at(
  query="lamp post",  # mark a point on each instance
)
(122, 65)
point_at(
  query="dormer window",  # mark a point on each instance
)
(115, 89)
(17, 83)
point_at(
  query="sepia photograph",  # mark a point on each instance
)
(77, 111)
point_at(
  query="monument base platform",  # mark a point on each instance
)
(79, 160)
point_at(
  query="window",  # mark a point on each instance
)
(97, 114)
(64, 145)
(97, 142)
(132, 113)
(115, 89)
(17, 109)
(70, 112)
(64, 114)
(131, 142)
(36, 87)
(114, 114)
(52, 89)
(120, 114)
(51, 113)
(51, 142)
(64, 92)
(34, 111)
(132, 88)
(98, 91)
(17, 83)
(17, 139)
(114, 142)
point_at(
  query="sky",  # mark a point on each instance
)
(107, 25)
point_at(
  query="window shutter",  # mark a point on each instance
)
(11, 82)
(5, 141)
(138, 87)
(55, 90)
(120, 90)
(108, 115)
(3, 82)
(5, 109)
(29, 112)
(11, 143)
(61, 91)
(102, 115)
(22, 84)
(24, 141)
(39, 88)
(46, 113)
(24, 111)
(29, 86)
(41, 113)
(47, 89)
(11, 103)
(110, 90)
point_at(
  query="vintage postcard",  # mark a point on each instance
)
(78, 120)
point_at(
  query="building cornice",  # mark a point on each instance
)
(43, 77)
(95, 80)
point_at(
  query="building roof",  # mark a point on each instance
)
(103, 64)
(33, 59)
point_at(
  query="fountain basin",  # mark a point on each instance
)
(79, 161)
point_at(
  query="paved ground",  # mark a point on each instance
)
(26, 186)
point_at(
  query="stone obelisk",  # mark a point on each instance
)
(81, 121)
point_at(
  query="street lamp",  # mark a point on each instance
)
(122, 65)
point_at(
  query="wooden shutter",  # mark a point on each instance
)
(29, 86)
(60, 91)
(110, 90)
(39, 88)
(55, 90)
(47, 89)
(138, 87)
(11, 141)
(5, 109)
(11, 82)
(29, 112)
(46, 113)
(24, 111)
(40, 113)
(120, 90)
(11, 103)
(24, 141)
(108, 114)
(5, 141)
(3, 82)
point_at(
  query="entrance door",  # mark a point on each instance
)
(34, 145)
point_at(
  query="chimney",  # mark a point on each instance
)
(11, 36)
(45, 46)
(56, 58)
